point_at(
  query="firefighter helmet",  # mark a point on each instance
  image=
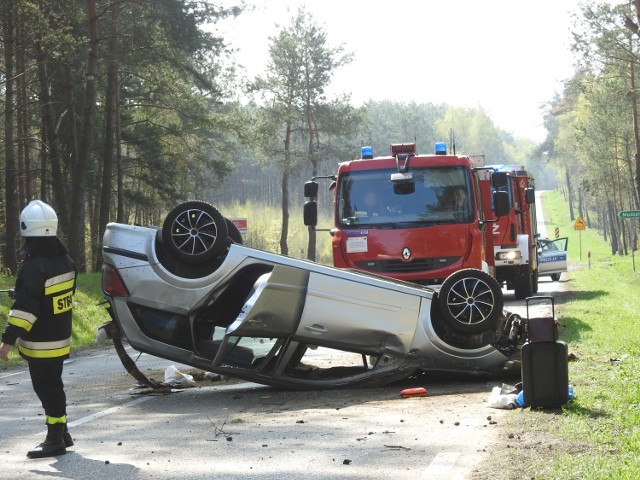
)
(38, 220)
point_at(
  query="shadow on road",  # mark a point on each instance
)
(74, 466)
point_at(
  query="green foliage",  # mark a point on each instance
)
(598, 435)
(591, 142)
(173, 74)
(88, 313)
(264, 228)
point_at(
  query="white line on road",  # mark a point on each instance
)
(12, 374)
(441, 465)
(108, 411)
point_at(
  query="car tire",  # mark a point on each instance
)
(194, 232)
(555, 277)
(470, 301)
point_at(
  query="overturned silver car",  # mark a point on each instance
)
(190, 292)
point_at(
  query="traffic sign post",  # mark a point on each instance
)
(629, 214)
(580, 225)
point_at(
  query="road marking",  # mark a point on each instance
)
(441, 465)
(12, 374)
(103, 413)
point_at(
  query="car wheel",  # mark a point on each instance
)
(555, 277)
(194, 232)
(470, 301)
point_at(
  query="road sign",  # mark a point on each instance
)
(241, 223)
(579, 225)
(629, 214)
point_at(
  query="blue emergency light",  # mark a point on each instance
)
(366, 152)
(441, 148)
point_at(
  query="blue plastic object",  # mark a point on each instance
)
(571, 393)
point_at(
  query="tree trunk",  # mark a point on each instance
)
(636, 131)
(109, 134)
(284, 232)
(25, 186)
(572, 216)
(613, 229)
(11, 183)
(49, 139)
(79, 169)
(120, 218)
(312, 132)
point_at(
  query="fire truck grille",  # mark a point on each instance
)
(399, 266)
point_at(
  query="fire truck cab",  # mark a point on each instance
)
(420, 218)
(413, 217)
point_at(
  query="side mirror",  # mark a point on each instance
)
(501, 203)
(310, 212)
(499, 180)
(311, 189)
(530, 195)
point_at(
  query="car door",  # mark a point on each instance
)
(552, 256)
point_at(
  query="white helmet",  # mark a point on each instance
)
(38, 220)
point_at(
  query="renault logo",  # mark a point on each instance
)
(406, 253)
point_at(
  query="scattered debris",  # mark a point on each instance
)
(219, 431)
(175, 378)
(413, 392)
(396, 447)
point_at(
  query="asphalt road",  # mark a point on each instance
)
(230, 429)
(233, 430)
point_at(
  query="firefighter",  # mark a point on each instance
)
(39, 321)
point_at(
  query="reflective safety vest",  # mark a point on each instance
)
(40, 318)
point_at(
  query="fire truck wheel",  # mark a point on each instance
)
(194, 232)
(524, 284)
(470, 301)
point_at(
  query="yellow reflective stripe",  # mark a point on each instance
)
(54, 420)
(20, 323)
(21, 319)
(59, 352)
(59, 287)
(45, 349)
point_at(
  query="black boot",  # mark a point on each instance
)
(53, 445)
(68, 441)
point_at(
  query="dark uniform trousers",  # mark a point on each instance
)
(46, 377)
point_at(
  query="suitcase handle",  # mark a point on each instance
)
(542, 297)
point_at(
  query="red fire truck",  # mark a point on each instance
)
(515, 234)
(421, 218)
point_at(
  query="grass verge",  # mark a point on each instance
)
(598, 435)
(88, 314)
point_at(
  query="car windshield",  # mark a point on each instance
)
(437, 195)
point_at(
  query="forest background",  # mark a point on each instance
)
(118, 110)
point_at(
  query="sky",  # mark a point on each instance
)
(508, 57)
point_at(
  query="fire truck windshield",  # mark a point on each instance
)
(441, 195)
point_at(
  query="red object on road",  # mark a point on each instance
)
(414, 392)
